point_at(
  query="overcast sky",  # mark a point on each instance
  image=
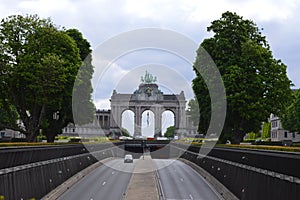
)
(100, 20)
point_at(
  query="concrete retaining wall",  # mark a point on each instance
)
(35, 180)
(247, 182)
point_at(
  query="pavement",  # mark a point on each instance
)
(57, 192)
(143, 183)
(219, 187)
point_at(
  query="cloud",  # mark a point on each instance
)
(182, 10)
(106, 79)
(100, 20)
(102, 103)
(46, 7)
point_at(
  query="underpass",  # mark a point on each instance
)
(108, 181)
(179, 181)
(244, 173)
(145, 178)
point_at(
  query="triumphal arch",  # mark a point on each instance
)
(148, 97)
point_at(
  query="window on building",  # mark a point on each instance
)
(274, 134)
(274, 124)
(285, 134)
(73, 130)
(293, 134)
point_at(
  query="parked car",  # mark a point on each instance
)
(128, 158)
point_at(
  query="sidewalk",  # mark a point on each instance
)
(143, 183)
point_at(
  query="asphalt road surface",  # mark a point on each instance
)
(104, 183)
(180, 181)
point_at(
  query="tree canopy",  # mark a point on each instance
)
(256, 83)
(193, 111)
(83, 107)
(80, 81)
(291, 117)
(39, 64)
(169, 132)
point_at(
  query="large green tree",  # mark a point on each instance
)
(193, 111)
(266, 130)
(38, 61)
(169, 132)
(291, 117)
(84, 108)
(256, 83)
(8, 113)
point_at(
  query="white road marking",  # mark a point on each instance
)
(191, 197)
(181, 179)
(113, 172)
(103, 183)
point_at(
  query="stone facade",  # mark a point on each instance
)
(148, 97)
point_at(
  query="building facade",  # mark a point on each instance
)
(148, 97)
(280, 134)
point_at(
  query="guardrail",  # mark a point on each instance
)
(14, 156)
(246, 181)
(34, 180)
(281, 162)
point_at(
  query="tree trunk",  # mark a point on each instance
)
(50, 135)
(50, 138)
(237, 137)
(31, 137)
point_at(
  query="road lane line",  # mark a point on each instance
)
(103, 183)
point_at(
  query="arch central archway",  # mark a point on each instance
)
(148, 123)
(148, 97)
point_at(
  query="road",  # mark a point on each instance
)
(180, 181)
(107, 182)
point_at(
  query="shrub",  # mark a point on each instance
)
(252, 135)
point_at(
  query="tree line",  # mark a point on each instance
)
(256, 83)
(39, 63)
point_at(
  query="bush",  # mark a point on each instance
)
(252, 135)
(296, 145)
(18, 140)
(273, 148)
(269, 143)
(75, 140)
(41, 137)
(249, 140)
(60, 137)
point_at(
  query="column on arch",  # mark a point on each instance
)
(137, 121)
(157, 116)
(177, 118)
(115, 119)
